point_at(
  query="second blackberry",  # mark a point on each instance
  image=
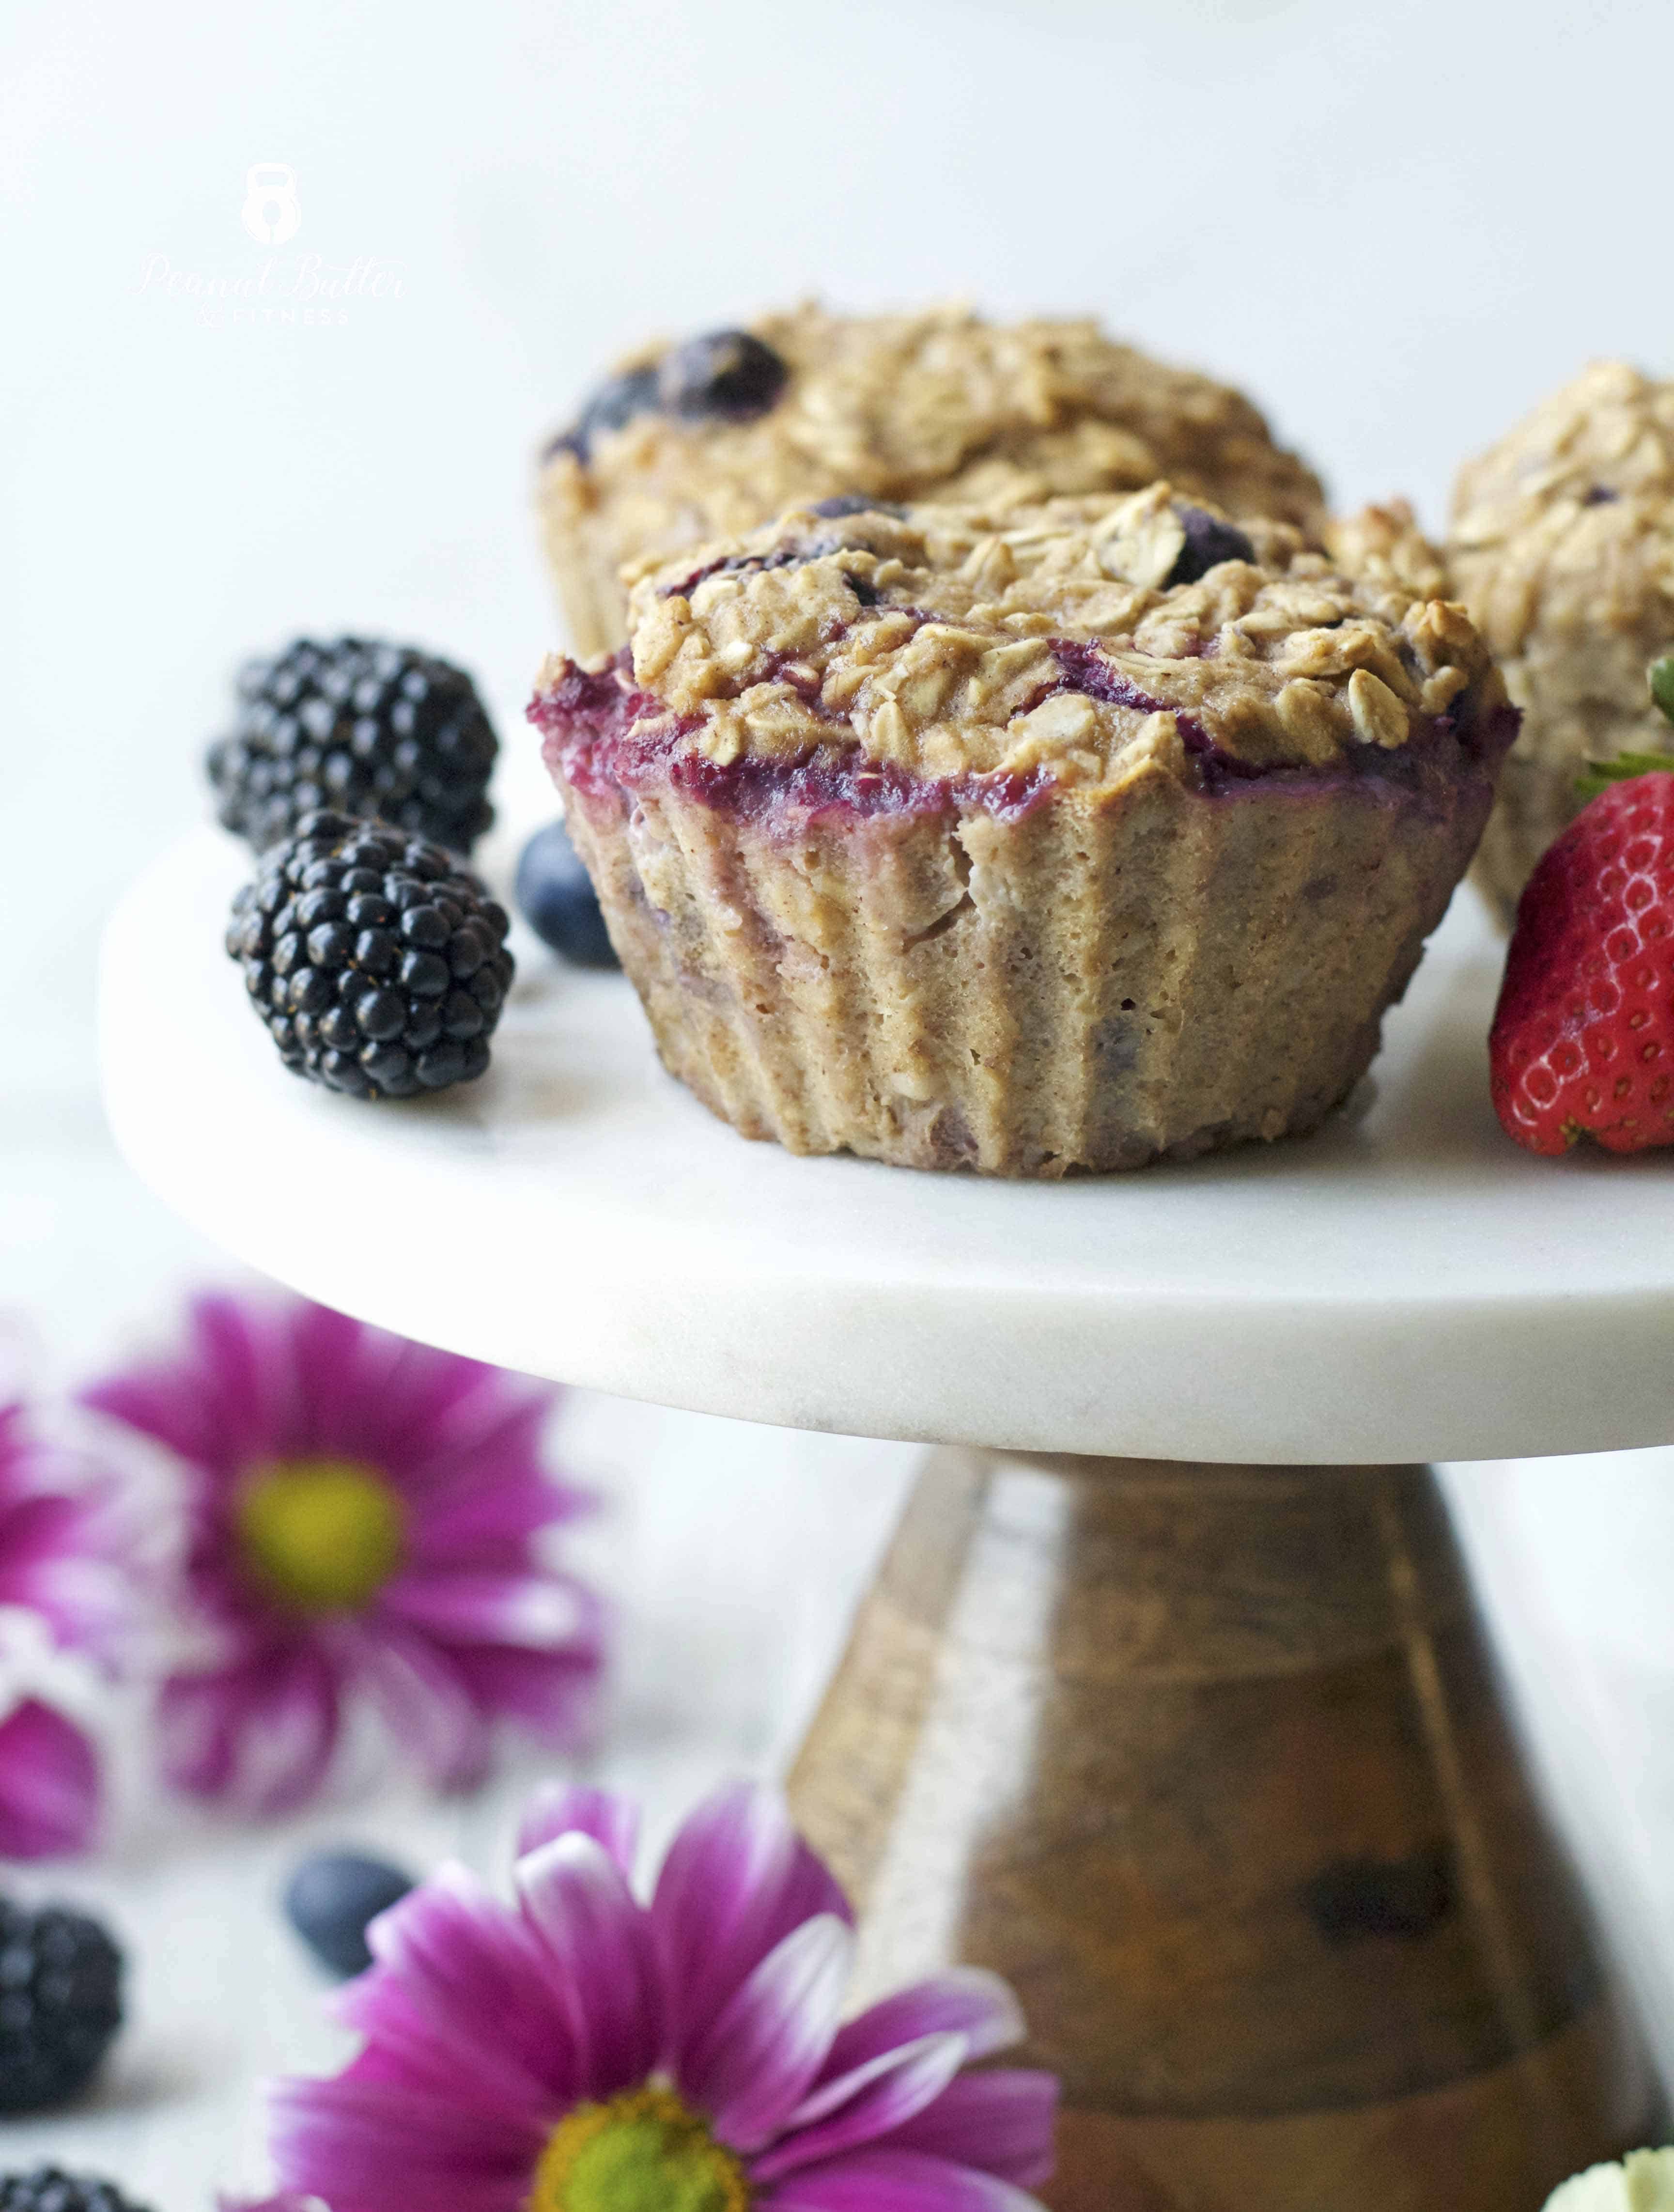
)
(363, 727)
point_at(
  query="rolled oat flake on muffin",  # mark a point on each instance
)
(712, 437)
(1063, 837)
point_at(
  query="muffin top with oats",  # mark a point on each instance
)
(1071, 645)
(689, 442)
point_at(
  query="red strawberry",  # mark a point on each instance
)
(1583, 1037)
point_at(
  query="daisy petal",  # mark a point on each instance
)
(38, 1531)
(427, 1707)
(563, 1808)
(891, 2181)
(445, 1416)
(750, 2069)
(537, 1611)
(486, 1519)
(341, 1369)
(49, 1785)
(223, 1404)
(897, 2093)
(553, 1696)
(407, 2051)
(1000, 2119)
(261, 1733)
(737, 1881)
(381, 2149)
(151, 1403)
(477, 1979)
(966, 2001)
(58, 1551)
(252, 1399)
(574, 1896)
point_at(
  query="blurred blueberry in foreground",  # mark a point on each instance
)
(556, 896)
(332, 1897)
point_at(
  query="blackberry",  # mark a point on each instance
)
(367, 728)
(49, 2190)
(60, 2005)
(378, 963)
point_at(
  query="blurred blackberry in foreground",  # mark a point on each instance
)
(559, 901)
(48, 2190)
(378, 963)
(60, 2005)
(367, 728)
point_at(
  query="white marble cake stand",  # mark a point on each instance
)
(1404, 1286)
(1202, 1744)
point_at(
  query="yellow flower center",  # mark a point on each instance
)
(321, 1534)
(643, 2152)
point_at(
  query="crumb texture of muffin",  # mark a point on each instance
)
(710, 439)
(1562, 546)
(1062, 838)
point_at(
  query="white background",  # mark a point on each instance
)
(1396, 225)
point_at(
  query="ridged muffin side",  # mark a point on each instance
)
(1027, 971)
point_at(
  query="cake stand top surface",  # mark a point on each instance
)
(1404, 1285)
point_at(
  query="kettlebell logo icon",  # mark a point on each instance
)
(272, 212)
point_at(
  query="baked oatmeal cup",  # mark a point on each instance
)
(1064, 838)
(711, 438)
(1562, 546)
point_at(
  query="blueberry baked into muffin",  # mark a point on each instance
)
(711, 438)
(1067, 838)
(1562, 546)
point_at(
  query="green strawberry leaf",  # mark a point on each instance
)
(1600, 774)
(1660, 675)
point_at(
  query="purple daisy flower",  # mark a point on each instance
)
(583, 2052)
(363, 1516)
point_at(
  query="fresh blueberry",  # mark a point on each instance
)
(332, 1896)
(1209, 541)
(727, 376)
(559, 901)
(615, 404)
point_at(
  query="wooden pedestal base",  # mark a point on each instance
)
(1212, 1764)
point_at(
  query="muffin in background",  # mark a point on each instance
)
(711, 438)
(1065, 838)
(1562, 546)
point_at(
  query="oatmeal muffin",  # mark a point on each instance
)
(1562, 546)
(1069, 837)
(711, 438)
